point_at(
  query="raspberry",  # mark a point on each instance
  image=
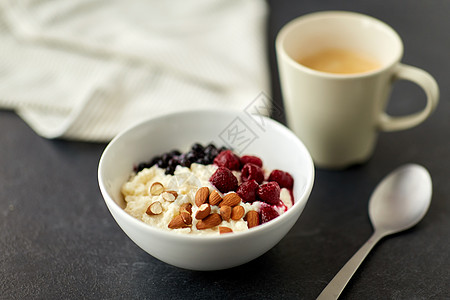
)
(228, 160)
(251, 159)
(251, 171)
(269, 192)
(247, 190)
(224, 180)
(284, 179)
(267, 213)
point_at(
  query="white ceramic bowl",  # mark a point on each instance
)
(278, 147)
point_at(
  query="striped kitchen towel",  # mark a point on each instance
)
(87, 69)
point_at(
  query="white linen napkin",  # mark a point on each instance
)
(87, 69)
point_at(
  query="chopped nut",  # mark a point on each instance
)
(231, 199)
(187, 218)
(224, 229)
(225, 212)
(154, 209)
(209, 222)
(201, 196)
(203, 211)
(177, 222)
(252, 218)
(237, 212)
(214, 198)
(169, 196)
(187, 207)
(156, 189)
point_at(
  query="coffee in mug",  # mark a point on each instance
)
(339, 61)
(337, 70)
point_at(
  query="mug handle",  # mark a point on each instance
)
(428, 84)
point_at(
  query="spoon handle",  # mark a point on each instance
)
(340, 280)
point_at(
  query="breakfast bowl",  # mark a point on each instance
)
(276, 145)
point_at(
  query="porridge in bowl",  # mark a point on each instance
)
(206, 191)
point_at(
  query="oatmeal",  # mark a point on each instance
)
(206, 191)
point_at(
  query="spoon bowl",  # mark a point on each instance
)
(399, 202)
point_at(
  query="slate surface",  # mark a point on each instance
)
(58, 240)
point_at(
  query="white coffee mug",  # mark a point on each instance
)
(338, 116)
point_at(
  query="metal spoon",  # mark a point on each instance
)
(399, 202)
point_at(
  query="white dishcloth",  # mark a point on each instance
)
(87, 69)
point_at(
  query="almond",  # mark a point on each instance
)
(156, 189)
(225, 212)
(252, 218)
(223, 229)
(169, 196)
(177, 222)
(187, 218)
(203, 211)
(201, 196)
(214, 198)
(231, 199)
(187, 207)
(209, 222)
(237, 212)
(154, 209)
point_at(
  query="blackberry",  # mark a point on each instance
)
(166, 157)
(170, 160)
(169, 170)
(173, 162)
(160, 163)
(142, 166)
(154, 161)
(197, 148)
(185, 162)
(175, 153)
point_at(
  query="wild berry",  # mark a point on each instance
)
(269, 192)
(224, 180)
(197, 148)
(247, 190)
(284, 179)
(251, 159)
(267, 213)
(251, 171)
(228, 160)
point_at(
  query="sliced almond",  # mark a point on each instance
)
(214, 198)
(156, 189)
(154, 209)
(169, 196)
(237, 212)
(225, 212)
(209, 222)
(201, 196)
(177, 222)
(187, 207)
(187, 218)
(252, 218)
(203, 211)
(231, 199)
(224, 229)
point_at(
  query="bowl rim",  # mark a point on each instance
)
(113, 205)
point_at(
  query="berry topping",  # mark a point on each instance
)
(170, 160)
(284, 179)
(247, 190)
(267, 213)
(197, 148)
(269, 192)
(224, 180)
(228, 160)
(251, 171)
(251, 159)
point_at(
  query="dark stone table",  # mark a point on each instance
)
(58, 240)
